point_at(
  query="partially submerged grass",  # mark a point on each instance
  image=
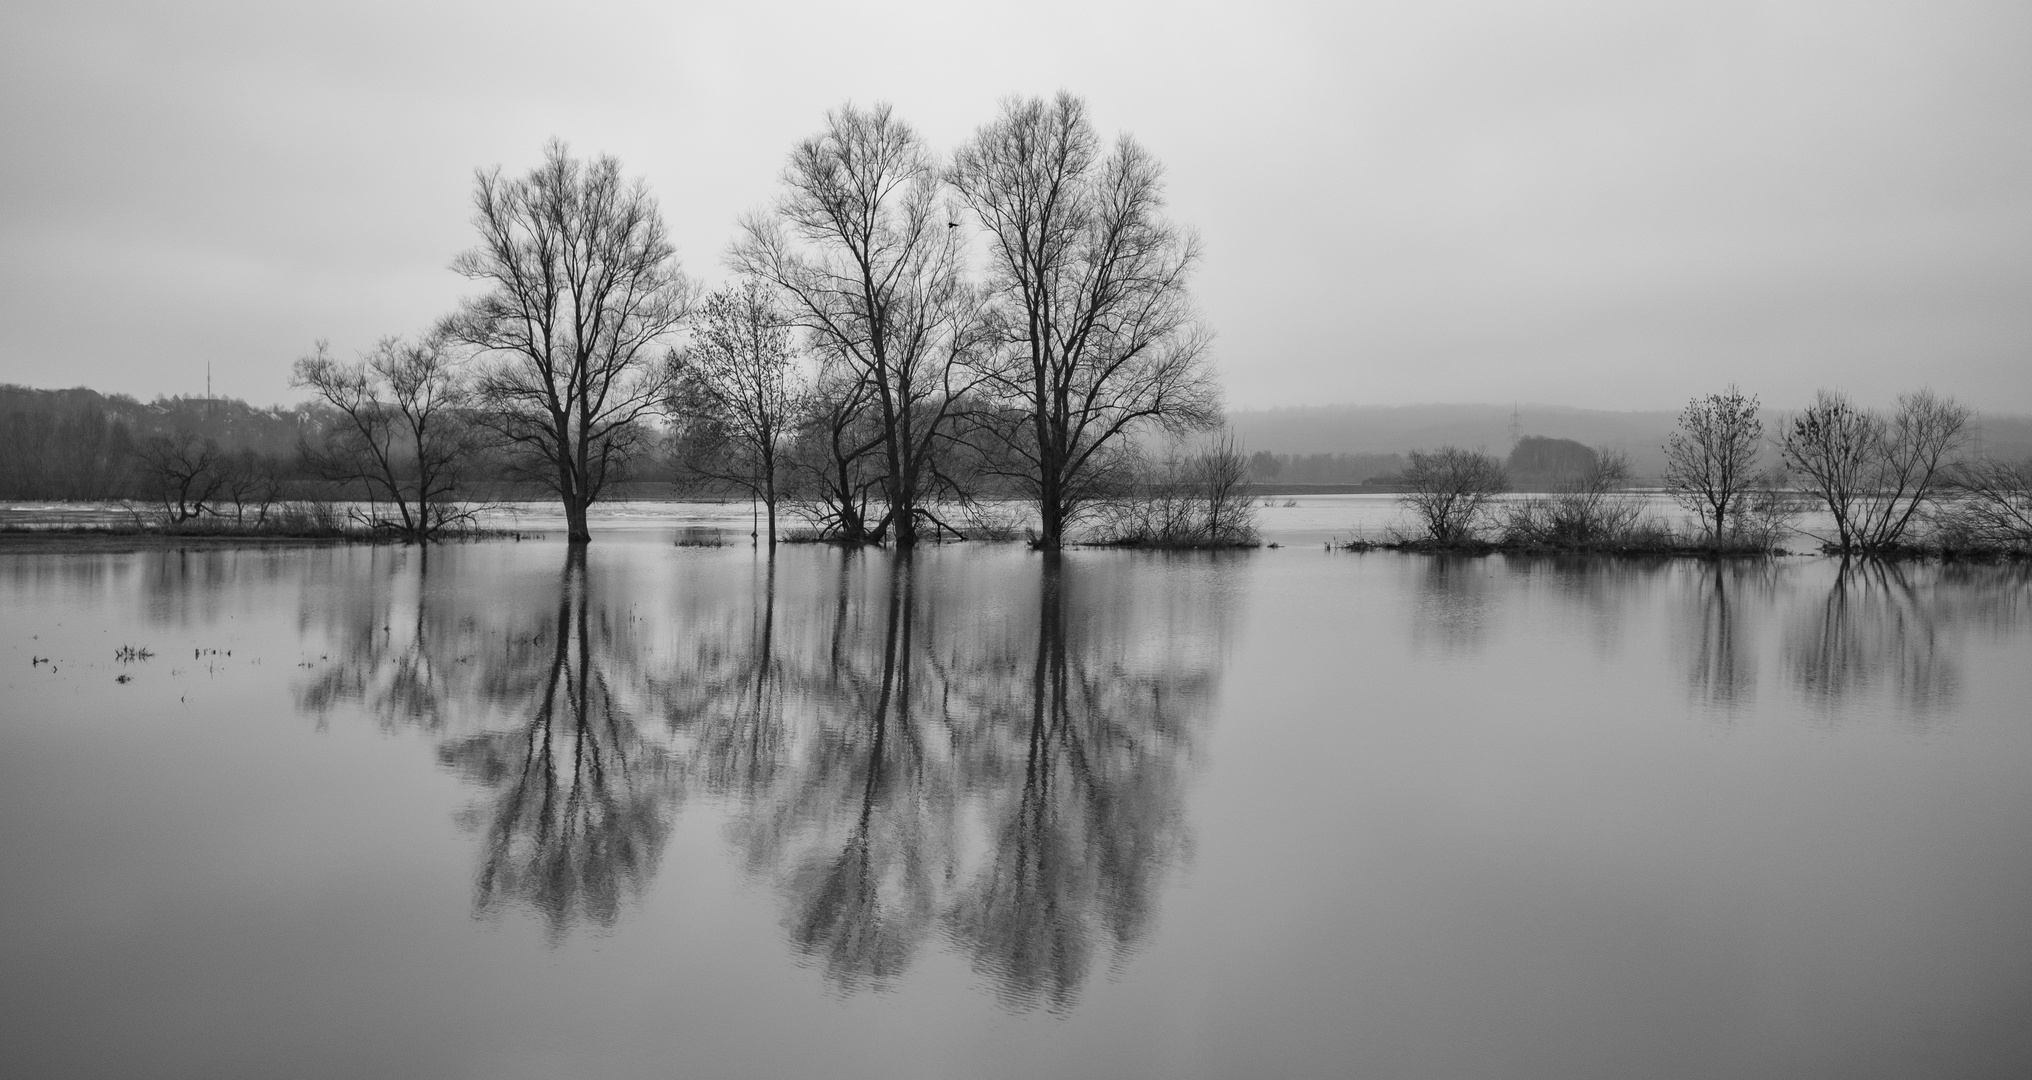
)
(308, 522)
(1633, 538)
(702, 536)
(1158, 543)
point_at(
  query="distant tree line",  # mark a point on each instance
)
(80, 444)
(1266, 467)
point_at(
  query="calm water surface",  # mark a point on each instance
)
(496, 811)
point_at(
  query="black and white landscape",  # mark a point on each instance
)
(1445, 540)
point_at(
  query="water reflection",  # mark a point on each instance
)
(1085, 801)
(577, 803)
(1721, 660)
(911, 752)
(855, 825)
(1873, 624)
(1454, 601)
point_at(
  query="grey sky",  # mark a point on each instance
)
(1603, 204)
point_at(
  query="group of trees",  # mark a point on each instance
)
(859, 363)
(855, 364)
(1878, 480)
(52, 448)
(1266, 467)
(920, 387)
(547, 375)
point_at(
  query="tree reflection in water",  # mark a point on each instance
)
(1873, 622)
(1091, 816)
(1901, 624)
(908, 750)
(535, 710)
(1016, 784)
(856, 826)
(578, 803)
(1721, 662)
(1454, 601)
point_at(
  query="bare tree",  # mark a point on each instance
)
(1099, 331)
(1450, 491)
(860, 247)
(250, 479)
(184, 471)
(735, 383)
(832, 455)
(1875, 474)
(1711, 461)
(398, 428)
(1993, 507)
(1220, 470)
(583, 291)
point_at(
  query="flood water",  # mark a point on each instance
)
(494, 810)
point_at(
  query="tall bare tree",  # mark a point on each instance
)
(583, 291)
(735, 385)
(1100, 336)
(1711, 461)
(399, 431)
(861, 249)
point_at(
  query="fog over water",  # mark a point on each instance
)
(497, 809)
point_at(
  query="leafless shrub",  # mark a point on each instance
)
(1451, 492)
(1584, 509)
(1193, 499)
(1990, 508)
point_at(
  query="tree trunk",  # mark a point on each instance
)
(1050, 518)
(575, 518)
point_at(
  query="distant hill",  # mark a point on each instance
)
(234, 423)
(1398, 429)
(78, 443)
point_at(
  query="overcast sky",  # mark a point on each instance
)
(1605, 204)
